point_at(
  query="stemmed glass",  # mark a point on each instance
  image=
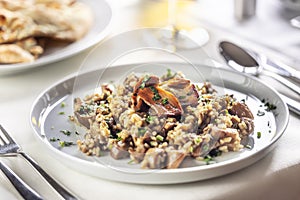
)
(182, 38)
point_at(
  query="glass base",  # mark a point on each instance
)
(184, 39)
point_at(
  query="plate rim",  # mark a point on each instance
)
(265, 150)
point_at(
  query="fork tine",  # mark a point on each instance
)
(8, 137)
(2, 142)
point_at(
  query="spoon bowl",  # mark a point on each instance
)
(241, 60)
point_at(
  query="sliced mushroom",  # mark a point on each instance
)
(178, 83)
(146, 81)
(175, 158)
(218, 133)
(183, 90)
(163, 103)
(249, 126)
(228, 138)
(82, 114)
(137, 156)
(206, 144)
(169, 124)
(241, 110)
(155, 158)
(118, 152)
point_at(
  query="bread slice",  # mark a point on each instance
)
(12, 53)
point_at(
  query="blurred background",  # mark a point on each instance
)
(268, 27)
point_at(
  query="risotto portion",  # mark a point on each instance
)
(160, 121)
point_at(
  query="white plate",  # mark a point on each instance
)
(47, 123)
(103, 16)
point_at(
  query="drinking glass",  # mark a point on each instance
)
(178, 37)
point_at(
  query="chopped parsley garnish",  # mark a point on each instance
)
(226, 112)
(149, 119)
(270, 106)
(165, 101)
(169, 73)
(103, 105)
(66, 132)
(153, 89)
(119, 138)
(260, 113)
(145, 79)
(191, 149)
(155, 92)
(65, 143)
(54, 139)
(190, 93)
(61, 113)
(156, 97)
(215, 153)
(86, 109)
(205, 147)
(141, 131)
(160, 138)
(258, 134)
(198, 87)
(131, 161)
(197, 141)
(63, 104)
(208, 159)
(142, 86)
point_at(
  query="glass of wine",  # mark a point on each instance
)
(179, 37)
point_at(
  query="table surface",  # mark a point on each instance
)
(276, 176)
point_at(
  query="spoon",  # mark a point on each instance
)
(295, 22)
(275, 65)
(238, 59)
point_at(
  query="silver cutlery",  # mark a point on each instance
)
(10, 147)
(254, 57)
(25, 190)
(279, 67)
(295, 22)
(274, 65)
(240, 60)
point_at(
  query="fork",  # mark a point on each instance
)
(25, 190)
(10, 147)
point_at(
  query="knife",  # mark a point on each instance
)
(25, 190)
(281, 69)
(275, 66)
(295, 22)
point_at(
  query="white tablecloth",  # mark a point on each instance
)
(274, 177)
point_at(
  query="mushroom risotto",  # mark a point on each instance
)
(160, 121)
